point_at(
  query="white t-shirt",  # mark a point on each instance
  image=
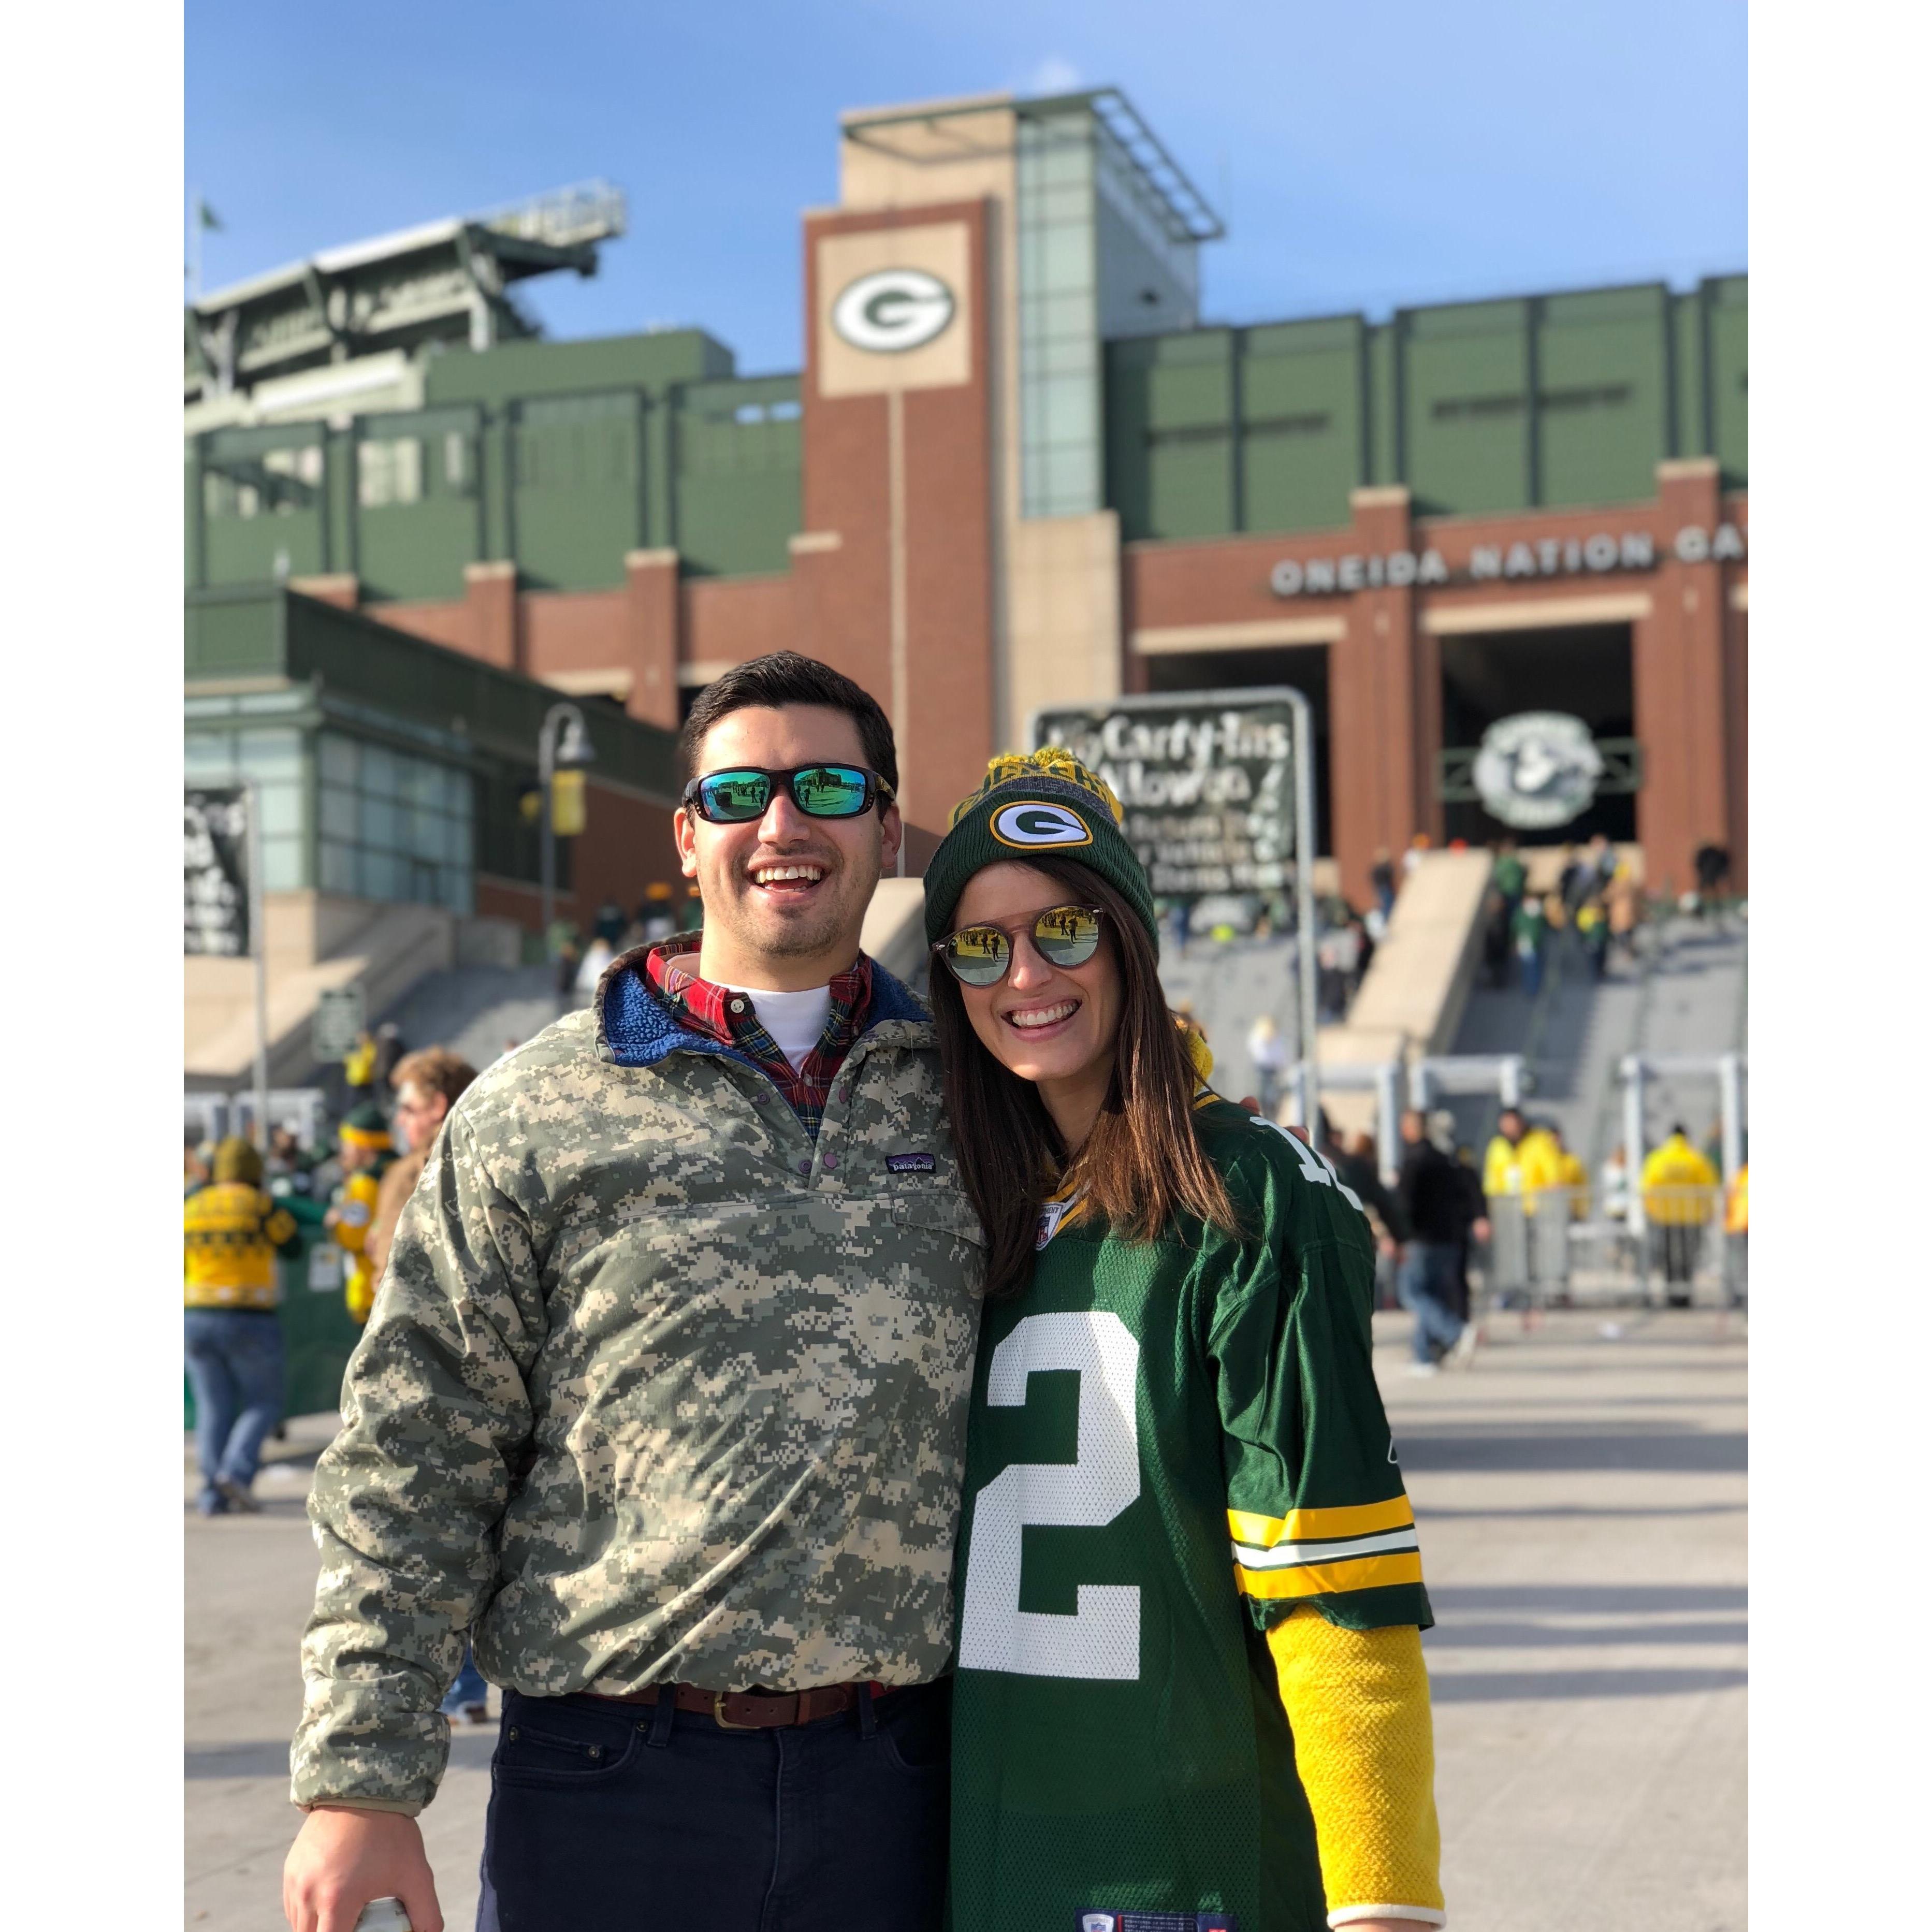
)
(797, 1021)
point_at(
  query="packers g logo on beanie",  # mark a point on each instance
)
(1045, 801)
(1038, 825)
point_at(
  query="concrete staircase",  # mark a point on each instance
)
(477, 1012)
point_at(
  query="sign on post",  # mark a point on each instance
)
(339, 1017)
(1217, 795)
(215, 871)
(1207, 782)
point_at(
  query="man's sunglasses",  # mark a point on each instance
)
(737, 797)
(980, 955)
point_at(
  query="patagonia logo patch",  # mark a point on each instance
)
(1037, 825)
(909, 1163)
(1158, 1922)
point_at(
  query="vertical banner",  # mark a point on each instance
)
(215, 871)
(1217, 798)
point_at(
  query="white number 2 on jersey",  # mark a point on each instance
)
(1102, 1638)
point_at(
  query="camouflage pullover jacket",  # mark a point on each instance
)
(657, 1388)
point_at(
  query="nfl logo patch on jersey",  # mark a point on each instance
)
(1099, 1921)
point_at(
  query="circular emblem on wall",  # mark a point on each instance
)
(1040, 825)
(1538, 769)
(892, 310)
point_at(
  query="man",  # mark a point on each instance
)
(665, 1391)
(1435, 1202)
(231, 1233)
(365, 1150)
(1679, 1196)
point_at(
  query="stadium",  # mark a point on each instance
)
(1019, 471)
(1469, 579)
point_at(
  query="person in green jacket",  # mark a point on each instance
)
(1190, 1687)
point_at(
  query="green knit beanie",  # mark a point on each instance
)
(1046, 802)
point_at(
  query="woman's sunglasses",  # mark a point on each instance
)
(736, 796)
(979, 956)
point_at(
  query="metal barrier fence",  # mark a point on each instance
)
(213, 1116)
(1544, 1249)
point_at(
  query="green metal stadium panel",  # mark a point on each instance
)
(418, 482)
(1383, 402)
(1170, 433)
(264, 502)
(576, 473)
(1303, 418)
(739, 477)
(1687, 369)
(1466, 380)
(1603, 394)
(1726, 318)
(514, 371)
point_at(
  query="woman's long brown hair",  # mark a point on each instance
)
(1141, 1163)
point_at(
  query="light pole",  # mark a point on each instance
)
(563, 743)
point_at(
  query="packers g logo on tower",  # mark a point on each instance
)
(1038, 825)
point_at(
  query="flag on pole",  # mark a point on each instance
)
(206, 217)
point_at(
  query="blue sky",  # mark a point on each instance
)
(1363, 156)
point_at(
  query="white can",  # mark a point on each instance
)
(383, 1915)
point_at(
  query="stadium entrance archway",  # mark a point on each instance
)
(1584, 672)
(1302, 667)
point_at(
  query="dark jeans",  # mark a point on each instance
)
(235, 1362)
(624, 1818)
(1427, 1286)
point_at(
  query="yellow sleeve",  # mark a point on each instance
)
(1358, 1702)
(355, 1207)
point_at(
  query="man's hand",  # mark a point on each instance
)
(342, 1857)
(1479, 1228)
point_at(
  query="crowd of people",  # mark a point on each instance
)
(581, 959)
(1595, 894)
(243, 1208)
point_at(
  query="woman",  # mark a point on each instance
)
(1175, 1355)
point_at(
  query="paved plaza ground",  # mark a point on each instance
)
(1581, 1495)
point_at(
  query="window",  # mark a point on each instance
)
(388, 472)
(273, 482)
(393, 826)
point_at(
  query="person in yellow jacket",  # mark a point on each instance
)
(231, 1234)
(1522, 1160)
(366, 1151)
(1679, 1199)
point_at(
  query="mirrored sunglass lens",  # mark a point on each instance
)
(830, 791)
(736, 794)
(1067, 935)
(978, 954)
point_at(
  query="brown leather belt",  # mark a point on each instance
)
(751, 1710)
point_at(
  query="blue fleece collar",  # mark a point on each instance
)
(639, 1029)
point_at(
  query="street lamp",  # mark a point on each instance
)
(563, 743)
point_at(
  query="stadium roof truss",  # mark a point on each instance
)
(1182, 210)
(446, 281)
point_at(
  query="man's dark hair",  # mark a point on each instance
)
(787, 677)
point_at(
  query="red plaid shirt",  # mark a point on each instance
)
(707, 1008)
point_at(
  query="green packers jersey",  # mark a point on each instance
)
(1121, 1759)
